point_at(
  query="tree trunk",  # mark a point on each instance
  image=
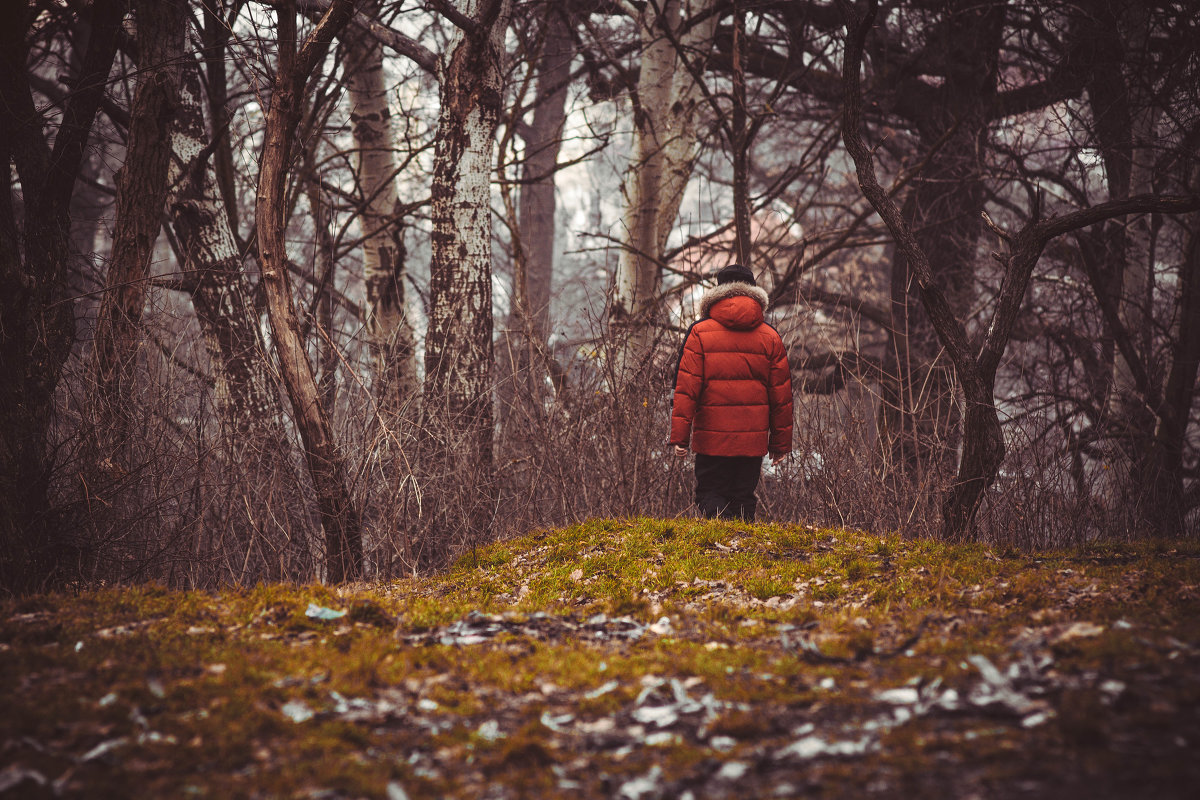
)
(245, 393)
(919, 411)
(525, 358)
(1146, 394)
(1133, 281)
(387, 322)
(141, 195)
(38, 321)
(1125, 122)
(253, 437)
(983, 443)
(1170, 434)
(543, 140)
(458, 345)
(339, 516)
(739, 145)
(215, 34)
(665, 136)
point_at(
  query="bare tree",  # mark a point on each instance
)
(534, 253)
(524, 360)
(141, 193)
(665, 136)
(213, 275)
(339, 515)
(458, 346)
(35, 252)
(983, 444)
(384, 271)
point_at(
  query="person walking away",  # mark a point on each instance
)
(733, 396)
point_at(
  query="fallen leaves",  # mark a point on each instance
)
(724, 670)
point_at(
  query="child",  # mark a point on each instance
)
(733, 396)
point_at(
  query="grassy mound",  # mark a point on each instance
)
(632, 658)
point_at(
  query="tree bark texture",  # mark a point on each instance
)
(245, 393)
(253, 437)
(339, 515)
(387, 322)
(458, 345)
(457, 458)
(983, 443)
(37, 323)
(665, 135)
(918, 414)
(141, 195)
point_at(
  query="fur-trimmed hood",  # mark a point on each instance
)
(733, 390)
(726, 291)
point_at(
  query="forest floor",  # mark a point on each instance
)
(630, 659)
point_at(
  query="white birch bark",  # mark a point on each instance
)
(665, 137)
(458, 349)
(270, 539)
(220, 292)
(387, 320)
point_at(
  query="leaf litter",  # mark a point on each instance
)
(870, 669)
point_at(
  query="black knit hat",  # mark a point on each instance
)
(735, 273)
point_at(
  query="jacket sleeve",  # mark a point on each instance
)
(689, 381)
(779, 392)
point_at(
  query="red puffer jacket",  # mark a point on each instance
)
(733, 388)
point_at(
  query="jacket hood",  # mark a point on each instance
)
(735, 305)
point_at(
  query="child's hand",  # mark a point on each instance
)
(681, 451)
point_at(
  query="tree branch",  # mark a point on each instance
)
(390, 38)
(468, 26)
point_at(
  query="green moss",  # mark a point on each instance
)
(214, 670)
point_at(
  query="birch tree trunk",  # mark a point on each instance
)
(253, 437)
(458, 345)
(387, 322)
(216, 281)
(141, 194)
(339, 515)
(665, 134)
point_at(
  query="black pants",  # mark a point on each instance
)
(725, 486)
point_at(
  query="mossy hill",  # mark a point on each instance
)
(632, 658)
